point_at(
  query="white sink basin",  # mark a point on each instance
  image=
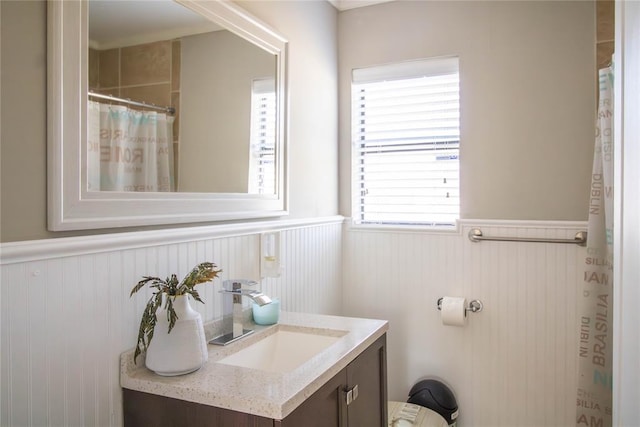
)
(282, 351)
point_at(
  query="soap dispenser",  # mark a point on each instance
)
(270, 254)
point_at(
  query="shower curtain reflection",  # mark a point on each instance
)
(129, 150)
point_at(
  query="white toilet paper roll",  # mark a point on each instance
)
(453, 311)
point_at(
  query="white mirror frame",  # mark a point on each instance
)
(70, 205)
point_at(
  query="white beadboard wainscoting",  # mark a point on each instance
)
(514, 363)
(66, 315)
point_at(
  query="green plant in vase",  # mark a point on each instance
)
(170, 288)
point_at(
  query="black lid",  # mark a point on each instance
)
(434, 395)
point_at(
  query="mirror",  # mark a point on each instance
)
(201, 82)
(211, 164)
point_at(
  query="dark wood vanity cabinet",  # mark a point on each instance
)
(355, 397)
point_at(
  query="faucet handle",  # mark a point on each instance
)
(237, 284)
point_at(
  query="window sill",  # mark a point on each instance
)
(390, 228)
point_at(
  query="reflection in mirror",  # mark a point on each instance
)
(253, 184)
(201, 116)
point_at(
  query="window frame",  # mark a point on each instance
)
(427, 67)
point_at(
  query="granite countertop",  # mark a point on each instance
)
(267, 394)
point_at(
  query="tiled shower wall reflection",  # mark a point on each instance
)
(605, 26)
(148, 73)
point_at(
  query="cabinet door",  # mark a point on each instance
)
(337, 404)
(367, 381)
(324, 408)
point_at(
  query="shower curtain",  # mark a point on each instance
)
(595, 308)
(129, 150)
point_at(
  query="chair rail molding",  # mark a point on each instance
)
(31, 250)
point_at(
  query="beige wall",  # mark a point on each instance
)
(217, 72)
(311, 30)
(528, 89)
(527, 96)
(23, 120)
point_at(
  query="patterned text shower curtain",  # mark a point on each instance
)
(595, 304)
(129, 150)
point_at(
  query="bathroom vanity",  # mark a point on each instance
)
(334, 376)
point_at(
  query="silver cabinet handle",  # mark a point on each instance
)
(352, 395)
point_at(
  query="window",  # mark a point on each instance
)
(406, 139)
(262, 173)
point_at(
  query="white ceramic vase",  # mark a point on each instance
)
(183, 350)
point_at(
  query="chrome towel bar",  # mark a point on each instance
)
(475, 235)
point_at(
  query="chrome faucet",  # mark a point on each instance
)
(235, 289)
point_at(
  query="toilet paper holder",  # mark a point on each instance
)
(475, 306)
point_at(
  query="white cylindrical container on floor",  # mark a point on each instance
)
(183, 350)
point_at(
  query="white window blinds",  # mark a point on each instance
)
(406, 138)
(262, 172)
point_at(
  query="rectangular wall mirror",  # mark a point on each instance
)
(163, 112)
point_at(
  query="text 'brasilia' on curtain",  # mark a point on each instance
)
(595, 304)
